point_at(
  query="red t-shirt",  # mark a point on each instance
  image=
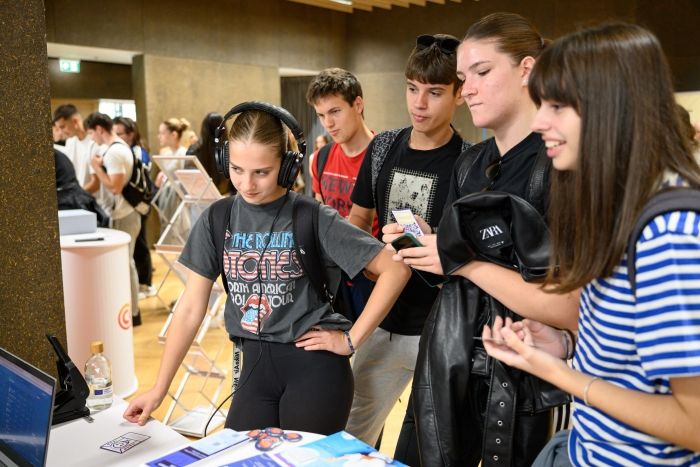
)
(338, 180)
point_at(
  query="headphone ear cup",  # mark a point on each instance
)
(221, 159)
(285, 168)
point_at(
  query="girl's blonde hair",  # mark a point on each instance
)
(178, 125)
(256, 126)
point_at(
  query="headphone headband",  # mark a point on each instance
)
(291, 161)
(284, 115)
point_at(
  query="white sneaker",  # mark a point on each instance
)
(146, 291)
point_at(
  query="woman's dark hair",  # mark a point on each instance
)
(618, 80)
(133, 129)
(205, 147)
(513, 35)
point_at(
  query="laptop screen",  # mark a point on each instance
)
(26, 407)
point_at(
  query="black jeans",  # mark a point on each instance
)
(293, 389)
(142, 255)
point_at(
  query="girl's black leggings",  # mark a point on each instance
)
(293, 389)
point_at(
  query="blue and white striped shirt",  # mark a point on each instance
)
(640, 344)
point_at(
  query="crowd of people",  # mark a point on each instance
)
(95, 158)
(556, 291)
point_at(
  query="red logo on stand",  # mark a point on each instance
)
(124, 318)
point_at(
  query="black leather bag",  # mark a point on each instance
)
(497, 227)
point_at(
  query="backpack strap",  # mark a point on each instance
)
(380, 148)
(321, 159)
(538, 185)
(675, 199)
(307, 247)
(219, 215)
(466, 161)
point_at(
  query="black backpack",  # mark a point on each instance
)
(306, 244)
(140, 190)
(321, 159)
(676, 199)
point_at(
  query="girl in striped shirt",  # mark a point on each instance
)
(608, 118)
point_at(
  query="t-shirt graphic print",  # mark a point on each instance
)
(259, 297)
(411, 189)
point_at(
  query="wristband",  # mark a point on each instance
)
(573, 341)
(352, 347)
(566, 340)
(585, 391)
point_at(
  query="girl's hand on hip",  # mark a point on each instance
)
(317, 339)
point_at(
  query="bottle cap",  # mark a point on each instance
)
(97, 347)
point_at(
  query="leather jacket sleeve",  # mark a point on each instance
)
(442, 373)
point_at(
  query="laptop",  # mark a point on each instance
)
(26, 407)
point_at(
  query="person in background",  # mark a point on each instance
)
(170, 136)
(58, 137)
(113, 168)
(79, 145)
(320, 141)
(336, 95)
(616, 139)
(192, 138)
(205, 147)
(79, 148)
(127, 129)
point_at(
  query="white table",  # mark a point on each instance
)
(77, 443)
(97, 297)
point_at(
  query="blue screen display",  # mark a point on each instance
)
(25, 408)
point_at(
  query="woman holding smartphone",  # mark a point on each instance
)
(608, 117)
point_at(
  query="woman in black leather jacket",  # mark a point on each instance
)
(456, 412)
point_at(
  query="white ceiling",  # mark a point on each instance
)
(92, 54)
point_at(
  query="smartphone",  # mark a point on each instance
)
(407, 240)
(406, 219)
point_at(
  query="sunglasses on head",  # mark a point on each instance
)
(447, 45)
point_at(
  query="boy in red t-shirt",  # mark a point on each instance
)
(336, 95)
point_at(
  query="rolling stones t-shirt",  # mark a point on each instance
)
(268, 288)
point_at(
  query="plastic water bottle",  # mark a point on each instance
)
(98, 376)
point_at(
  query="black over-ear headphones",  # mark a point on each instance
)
(291, 161)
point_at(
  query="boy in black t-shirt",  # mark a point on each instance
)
(406, 168)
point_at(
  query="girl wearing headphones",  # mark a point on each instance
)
(609, 119)
(297, 372)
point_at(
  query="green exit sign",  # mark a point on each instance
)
(69, 66)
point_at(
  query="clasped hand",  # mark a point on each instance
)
(528, 345)
(423, 258)
(318, 339)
